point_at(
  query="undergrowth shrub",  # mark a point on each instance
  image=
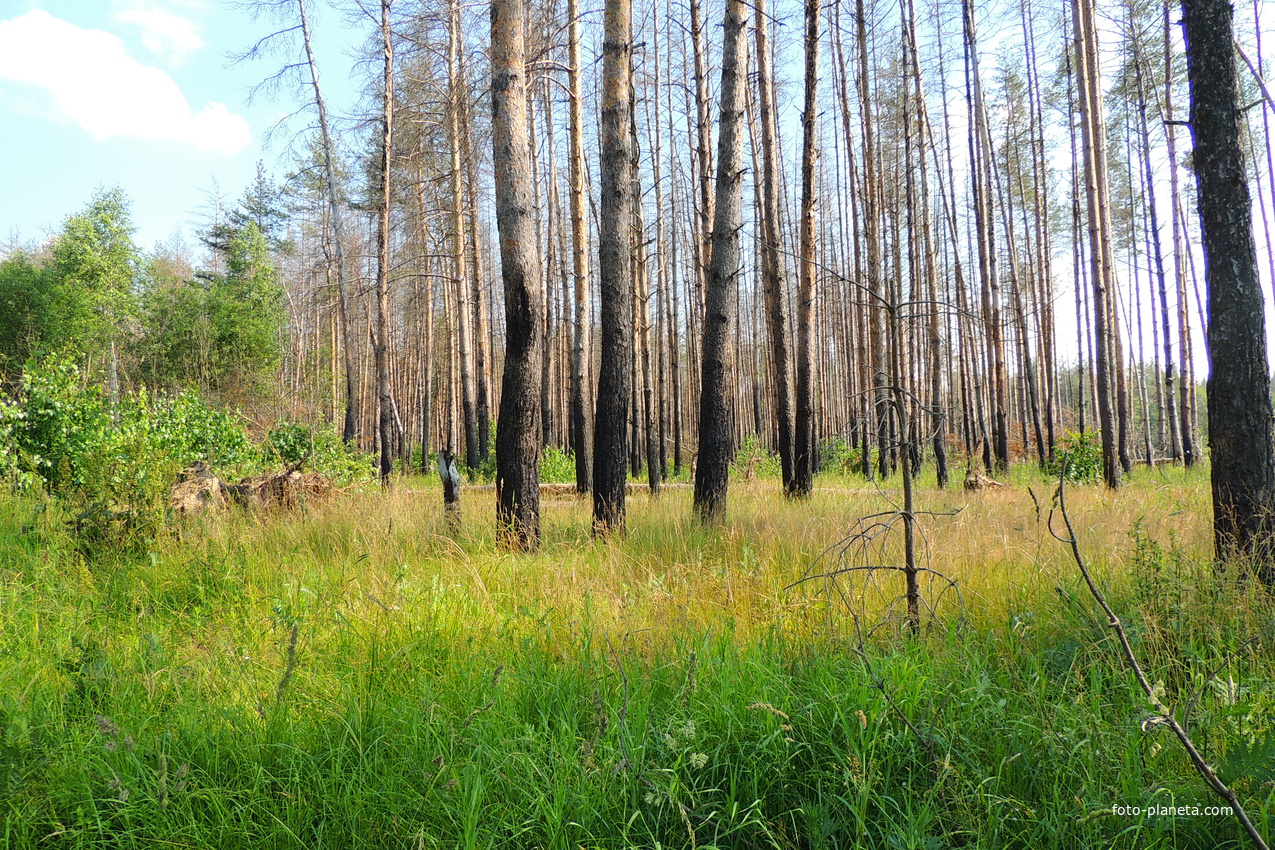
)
(290, 442)
(60, 434)
(1078, 457)
(319, 449)
(753, 458)
(113, 468)
(837, 454)
(341, 463)
(557, 466)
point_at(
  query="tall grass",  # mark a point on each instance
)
(350, 675)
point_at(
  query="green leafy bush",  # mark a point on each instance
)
(343, 465)
(288, 442)
(56, 432)
(840, 455)
(1078, 457)
(59, 433)
(557, 466)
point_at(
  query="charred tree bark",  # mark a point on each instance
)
(1241, 439)
(804, 437)
(384, 393)
(582, 422)
(462, 285)
(773, 284)
(518, 428)
(615, 374)
(1186, 390)
(716, 446)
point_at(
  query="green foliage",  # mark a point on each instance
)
(752, 458)
(222, 332)
(81, 298)
(95, 265)
(557, 466)
(840, 455)
(245, 312)
(26, 296)
(263, 206)
(340, 463)
(59, 433)
(1078, 457)
(292, 443)
(289, 442)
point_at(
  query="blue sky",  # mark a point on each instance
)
(138, 93)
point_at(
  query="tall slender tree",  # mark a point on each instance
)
(774, 285)
(716, 444)
(518, 425)
(349, 427)
(615, 372)
(804, 445)
(384, 389)
(1241, 437)
(581, 422)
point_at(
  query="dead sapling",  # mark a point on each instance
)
(852, 567)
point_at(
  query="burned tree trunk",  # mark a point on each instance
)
(804, 438)
(518, 427)
(1241, 440)
(581, 422)
(386, 424)
(773, 284)
(716, 446)
(615, 372)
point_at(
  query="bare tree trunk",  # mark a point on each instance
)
(384, 391)
(712, 473)
(615, 375)
(350, 426)
(663, 268)
(804, 436)
(478, 284)
(675, 347)
(645, 406)
(1185, 389)
(981, 155)
(518, 429)
(1043, 289)
(582, 423)
(929, 269)
(1241, 438)
(773, 284)
(1093, 146)
(426, 306)
(704, 161)
(461, 282)
(874, 294)
(551, 260)
(857, 293)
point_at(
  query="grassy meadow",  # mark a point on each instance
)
(352, 675)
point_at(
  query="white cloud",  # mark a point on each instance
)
(163, 33)
(93, 82)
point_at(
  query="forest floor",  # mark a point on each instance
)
(351, 674)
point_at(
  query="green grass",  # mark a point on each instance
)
(668, 689)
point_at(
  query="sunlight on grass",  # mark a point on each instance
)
(350, 674)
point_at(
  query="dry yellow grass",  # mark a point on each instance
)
(371, 555)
